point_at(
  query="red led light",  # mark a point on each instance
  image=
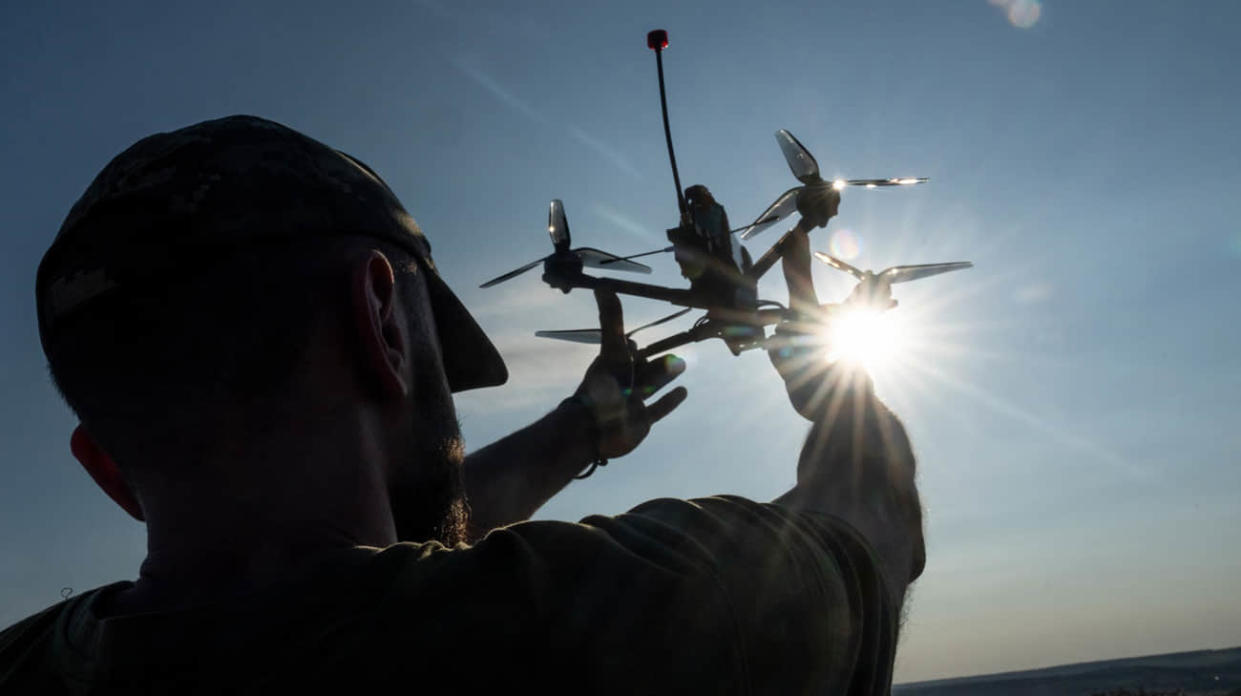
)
(657, 40)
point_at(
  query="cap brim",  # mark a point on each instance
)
(471, 361)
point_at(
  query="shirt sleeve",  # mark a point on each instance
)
(715, 595)
(807, 600)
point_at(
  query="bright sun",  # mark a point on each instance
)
(867, 337)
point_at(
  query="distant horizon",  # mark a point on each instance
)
(1192, 673)
(1066, 665)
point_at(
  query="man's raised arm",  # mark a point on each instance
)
(606, 417)
(857, 463)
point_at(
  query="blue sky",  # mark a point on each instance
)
(1073, 401)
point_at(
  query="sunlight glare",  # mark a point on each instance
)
(1022, 14)
(870, 338)
(845, 244)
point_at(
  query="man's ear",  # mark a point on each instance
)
(379, 325)
(104, 471)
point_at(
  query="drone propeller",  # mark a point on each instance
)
(840, 265)
(596, 335)
(784, 206)
(558, 225)
(574, 335)
(806, 169)
(637, 256)
(895, 274)
(558, 230)
(902, 274)
(803, 164)
(597, 258)
(513, 273)
(839, 184)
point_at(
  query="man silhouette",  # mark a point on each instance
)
(262, 356)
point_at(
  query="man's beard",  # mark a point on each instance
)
(428, 502)
(428, 494)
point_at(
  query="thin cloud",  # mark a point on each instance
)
(541, 373)
(608, 152)
(1060, 433)
(624, 222)
(498, 91)
(521, 296)
(1033, 293)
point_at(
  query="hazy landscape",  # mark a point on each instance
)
(1199, 673)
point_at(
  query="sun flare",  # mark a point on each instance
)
(873, 339)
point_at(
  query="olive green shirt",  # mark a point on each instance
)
(716, 595)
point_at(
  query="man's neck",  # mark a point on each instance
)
(231, 528)
(171, 583)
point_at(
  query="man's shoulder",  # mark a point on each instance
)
(707, 594)
(29, 630)
(26, 647)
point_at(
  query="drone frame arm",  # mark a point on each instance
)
(772, 255)
(676, 340)
(712, 328)
(677, 296)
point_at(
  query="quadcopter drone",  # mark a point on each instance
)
(722, 275)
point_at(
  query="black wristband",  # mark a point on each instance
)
(597, 460)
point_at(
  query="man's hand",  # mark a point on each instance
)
(508, 480)
(617, 385)
(798, 350)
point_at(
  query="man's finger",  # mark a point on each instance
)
(614, 347)
(658, 372)
(793, 351)
(666, 403)
(796, 264)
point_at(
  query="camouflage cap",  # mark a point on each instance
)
(172, 198)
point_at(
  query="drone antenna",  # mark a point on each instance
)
(657, 41)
